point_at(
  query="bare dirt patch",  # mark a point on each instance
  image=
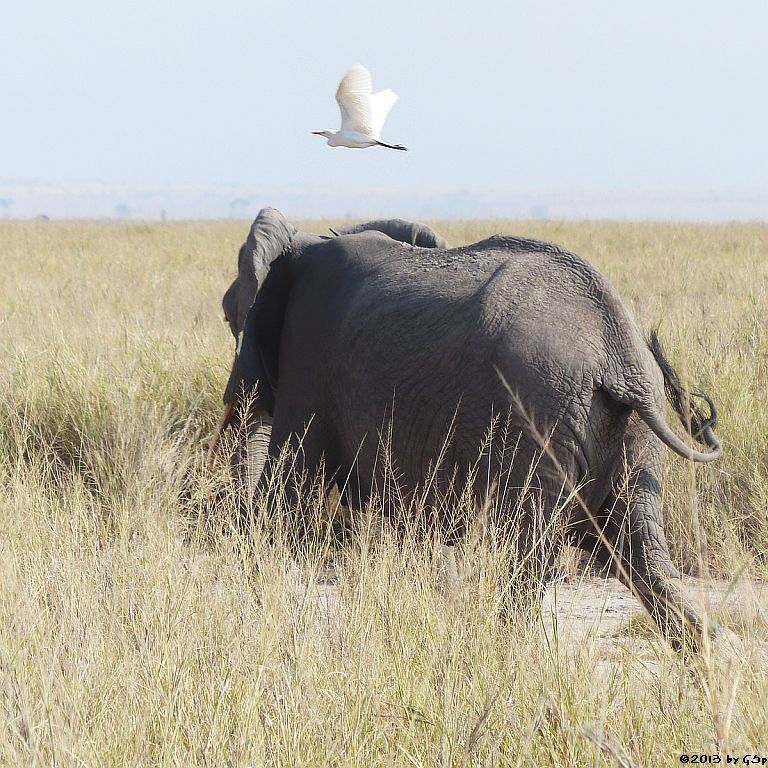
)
(595, 613)
(601, 609)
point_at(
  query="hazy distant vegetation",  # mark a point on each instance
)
(138, 628)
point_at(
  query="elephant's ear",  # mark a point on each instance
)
(229, 305)
(426, 237)
(404, 231)
(269, 236)
(258, 349)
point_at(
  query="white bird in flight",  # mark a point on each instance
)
(362, 112)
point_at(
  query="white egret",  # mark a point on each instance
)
(362, 112)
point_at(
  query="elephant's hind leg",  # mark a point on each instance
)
(634, 548)
(530, 540)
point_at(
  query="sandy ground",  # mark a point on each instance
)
(598, 613)
(602, 608)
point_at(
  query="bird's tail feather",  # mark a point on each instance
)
(392, 146)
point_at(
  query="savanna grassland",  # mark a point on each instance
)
(138, 627)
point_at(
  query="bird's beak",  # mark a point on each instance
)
(317, 133)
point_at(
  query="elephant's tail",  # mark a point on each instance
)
(698, 425)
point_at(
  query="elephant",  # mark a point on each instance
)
(268, 231)
(399, 229)
(361, 336)
(271, 227)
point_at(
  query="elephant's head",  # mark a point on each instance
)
(399, 229)
(269, 235)
(254, 307)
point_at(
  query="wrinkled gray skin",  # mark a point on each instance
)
(271, 228)
(269, 232)
(399, 229)
(359, 334)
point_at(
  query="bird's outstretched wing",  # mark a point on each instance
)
(354, 98)
(381, 103)
(362, 111)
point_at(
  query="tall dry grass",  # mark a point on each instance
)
(138, 628)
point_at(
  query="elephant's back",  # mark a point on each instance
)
(442, 340)
(532, 271)
(485, 303)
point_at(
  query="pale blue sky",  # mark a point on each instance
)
(518, 95)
